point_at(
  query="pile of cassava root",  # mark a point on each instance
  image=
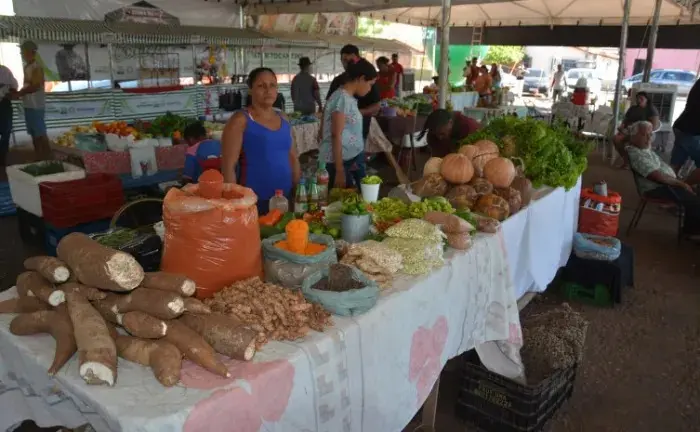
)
(274, 312)
(80, 297)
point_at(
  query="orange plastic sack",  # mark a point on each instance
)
(598, 214)
(214, 242)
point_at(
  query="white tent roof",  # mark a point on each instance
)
(489, 12)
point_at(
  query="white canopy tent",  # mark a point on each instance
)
(489, 12)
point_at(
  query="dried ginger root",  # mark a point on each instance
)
(274, 312)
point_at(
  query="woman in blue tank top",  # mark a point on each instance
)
(257, 148)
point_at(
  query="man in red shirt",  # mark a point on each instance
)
(398, 70)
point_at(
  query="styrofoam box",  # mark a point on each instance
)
(25, 187)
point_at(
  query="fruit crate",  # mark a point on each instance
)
(598, 295)
(55, 234)
(497, 404)
(71, 203)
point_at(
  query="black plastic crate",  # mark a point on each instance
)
(488, 423)
(32, 229)
(504, 405)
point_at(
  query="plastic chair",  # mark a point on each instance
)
(644, 200)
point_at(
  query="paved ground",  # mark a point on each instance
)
(641, 371)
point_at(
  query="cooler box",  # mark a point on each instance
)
(24, 187)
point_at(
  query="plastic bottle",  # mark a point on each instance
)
(313, 197)
(279, 202)
(301, 201)
(322, 180)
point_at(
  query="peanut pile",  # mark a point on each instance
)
(273, 311)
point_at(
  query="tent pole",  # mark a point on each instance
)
(652, 40)
(445, 53)
(621, 64)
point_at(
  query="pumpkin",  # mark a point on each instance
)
(487, 150)
(492, 206)
(521, 183)
(432, 166)
(468, 150)
(512, 196)
(429, 186)
(500, 172)
(457, 168)
(462, 197)
(510, 149)
(481, 186)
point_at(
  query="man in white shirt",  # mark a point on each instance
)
(558, 83)
(34, 100)
(8, 85)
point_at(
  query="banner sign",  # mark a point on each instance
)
(343, 24)
(278, 59)
(77, 109)
(158, 103)
(142, 13)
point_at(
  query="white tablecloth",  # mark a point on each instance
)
(539, 239)
(369, 373)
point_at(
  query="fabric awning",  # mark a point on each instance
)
(490, 13)
(17, 29)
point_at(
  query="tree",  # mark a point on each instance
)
(369, 27)
(504, 54)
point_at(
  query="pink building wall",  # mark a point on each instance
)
(664, 59)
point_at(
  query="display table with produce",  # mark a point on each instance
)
(342, 335)
(370, 372)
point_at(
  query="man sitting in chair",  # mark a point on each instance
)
(657, 180)
(202, 153)
(642, 111)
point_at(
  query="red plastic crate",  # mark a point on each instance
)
(67, 204)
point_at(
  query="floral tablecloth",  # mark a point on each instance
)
(369, 373)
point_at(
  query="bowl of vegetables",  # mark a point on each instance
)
(356, 220)
(370, 188)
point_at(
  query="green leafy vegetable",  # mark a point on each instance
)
(44, 168)
(419, 209)
(372, 180)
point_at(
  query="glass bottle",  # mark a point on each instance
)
(313, 197)
(322, 180)
(301, 201)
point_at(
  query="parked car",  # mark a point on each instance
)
(593, 82)
(536, 81)
(683, 79)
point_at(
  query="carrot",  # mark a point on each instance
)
(164, 359)
(270, 219)
(90, 293)
(194, 306)
(33, 284)
(53, 269)
(169, 282)
(96, 349)
(195, 348)
(226, 335)
(57, 323)
(23, 305)
(142, 325)
(99, 266)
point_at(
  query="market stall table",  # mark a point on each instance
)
(463, 100)
(369, 373)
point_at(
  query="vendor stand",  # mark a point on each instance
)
(371, 371)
